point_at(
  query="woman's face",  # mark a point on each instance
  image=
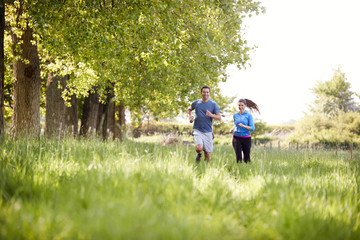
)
(242, 107)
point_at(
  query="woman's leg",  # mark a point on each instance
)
(246, 147)
(237, 148)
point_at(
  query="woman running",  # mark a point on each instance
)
(243, 125)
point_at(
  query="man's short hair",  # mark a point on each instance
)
(205, 87)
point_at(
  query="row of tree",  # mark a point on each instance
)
(335, 114)
(92, 59)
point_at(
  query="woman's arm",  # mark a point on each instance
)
(244, 126)
(238, 123)
(251, 126)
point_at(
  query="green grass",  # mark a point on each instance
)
(90, 189)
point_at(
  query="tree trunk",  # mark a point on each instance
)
(71, 117)
(100, 118)
(106, 118)
(2, 67)
(90, 114)
(136, 130)
(109, 121)
(136, 123)
(55, 106)
(120, 125)
(26, 116)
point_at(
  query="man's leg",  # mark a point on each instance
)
(203, 142)
(199, 149)
(207, 156)
(208, 145)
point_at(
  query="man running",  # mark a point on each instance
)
(205, 111)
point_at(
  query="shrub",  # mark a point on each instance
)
(343, 128)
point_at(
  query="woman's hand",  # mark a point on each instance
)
(244, 126)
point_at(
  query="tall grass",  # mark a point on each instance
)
(90, 189)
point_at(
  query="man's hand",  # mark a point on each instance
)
(191, 119)
(214, 116)
(209, 114)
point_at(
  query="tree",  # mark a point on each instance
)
(26, 70)
(2, 66)
(335, 117)
(334, 95)
(106, 116)
(120, 121)
(90, 108)
(71, 116)
(55, 106)
(156, 54)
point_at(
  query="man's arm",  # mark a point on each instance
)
(214, 116)
(217, 116)
(191, 119)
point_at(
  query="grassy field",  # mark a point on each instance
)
(90, 189)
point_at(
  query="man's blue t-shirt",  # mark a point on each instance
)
(202, 122)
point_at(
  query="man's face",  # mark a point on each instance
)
(205, 94)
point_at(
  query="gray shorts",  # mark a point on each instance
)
(205, 139)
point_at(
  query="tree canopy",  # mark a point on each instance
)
(157, 54)
(154, 56)
(334, 95)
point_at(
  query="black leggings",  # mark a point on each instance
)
(242, 145)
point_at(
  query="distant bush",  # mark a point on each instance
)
(154, 127)
(223, 129)
(319, 128)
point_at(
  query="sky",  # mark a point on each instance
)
(299, 42)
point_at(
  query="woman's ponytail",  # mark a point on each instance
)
(250, 104)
